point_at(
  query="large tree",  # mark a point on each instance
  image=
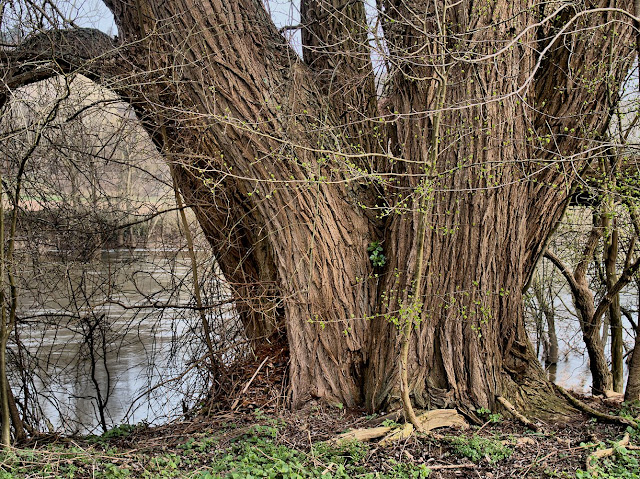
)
(458, 166)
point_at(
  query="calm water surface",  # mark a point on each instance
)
(135, 347)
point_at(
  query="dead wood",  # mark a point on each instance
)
(363, 434)
(442, 418)
(514, 412)
(246, 386)
(397, 434)
(429, 420)
(599, 454)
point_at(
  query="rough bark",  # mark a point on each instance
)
(274, 162)
(335, 46)
(583, 301)
(632, 392)
(614, 314)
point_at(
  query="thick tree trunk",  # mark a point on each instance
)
(292, 180)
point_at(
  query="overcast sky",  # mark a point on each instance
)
(94, 14)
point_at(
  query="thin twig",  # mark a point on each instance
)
(246, 386)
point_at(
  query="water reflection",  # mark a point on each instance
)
(572, 370)
(91, 339)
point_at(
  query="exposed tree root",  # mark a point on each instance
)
(592, 412)
(428, 421)
(514, 412)
(599, 454)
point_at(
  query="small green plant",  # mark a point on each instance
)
(477, 448)
(390, 423)
(630, 409)
(344, 453)
(409, 471)
(495, 418)
(117, 432)
(260, 458)
(202, 445)
(376, 256)
(624, 464)
(491, 417)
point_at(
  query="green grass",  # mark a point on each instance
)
(261, 452)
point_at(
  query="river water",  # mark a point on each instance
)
(106, 331)
(572, 371)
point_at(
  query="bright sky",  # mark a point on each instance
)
(93, 13)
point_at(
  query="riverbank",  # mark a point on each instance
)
(249, 444)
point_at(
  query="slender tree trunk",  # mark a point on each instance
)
(585, 307)
(16, 420)
(5, 417)
(548, 312)
(615, 316)
(632, 392)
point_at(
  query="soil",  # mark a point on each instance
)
(556, 451)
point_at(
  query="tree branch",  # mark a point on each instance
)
(625, 278)
(84, 50)
(564, 270)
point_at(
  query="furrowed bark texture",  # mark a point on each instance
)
(259, 146)
(483, 125)
(583, 301)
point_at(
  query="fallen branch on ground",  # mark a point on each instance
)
(430, 420)
(600, 453)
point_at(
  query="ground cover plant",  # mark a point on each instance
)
(286, 445)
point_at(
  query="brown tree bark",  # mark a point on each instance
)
(585, 306)
(292, 180)
(632, 391)
(615, 316)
